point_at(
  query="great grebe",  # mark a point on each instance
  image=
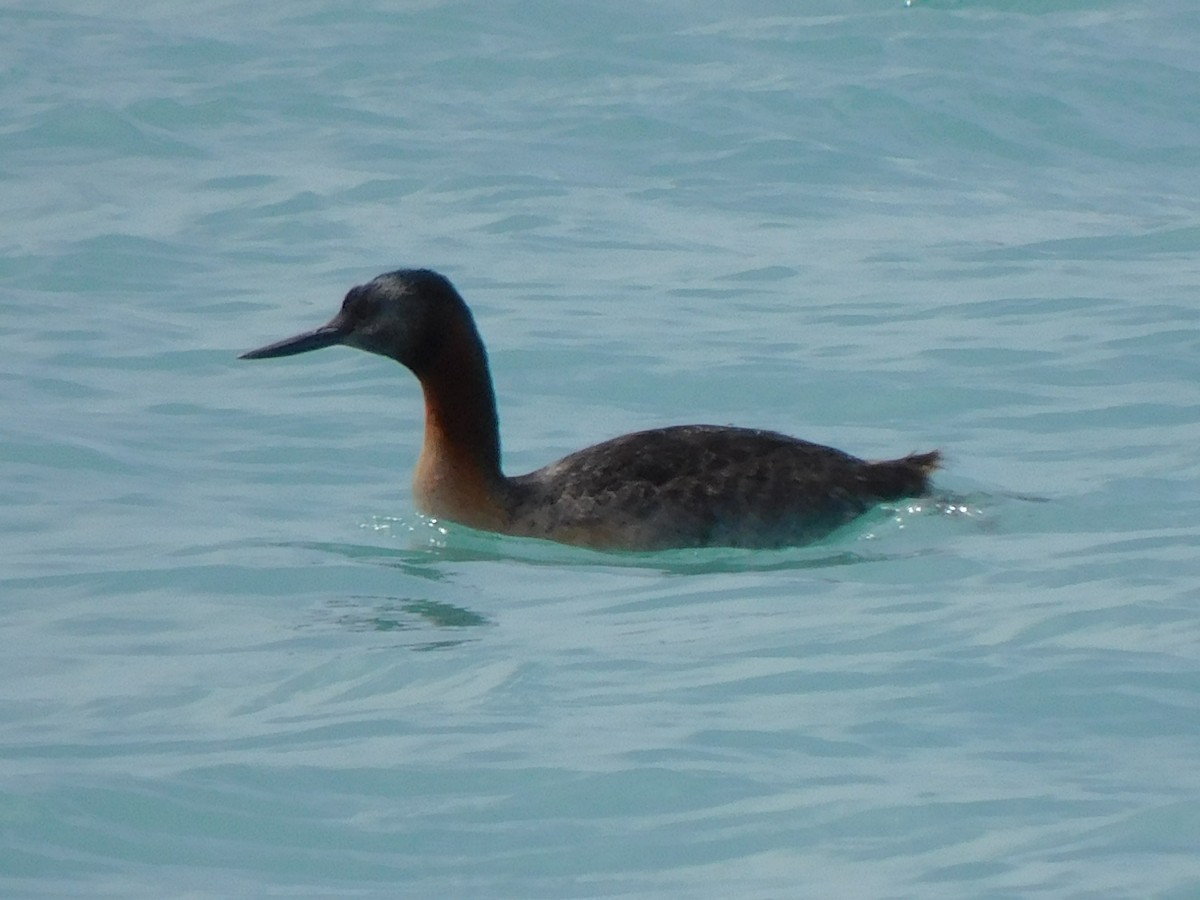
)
(683, 486)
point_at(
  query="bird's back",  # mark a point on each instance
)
(705, 485)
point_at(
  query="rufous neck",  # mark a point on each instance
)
(458, 475)
(460, 416)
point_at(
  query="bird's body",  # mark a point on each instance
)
(704, 485)
(683, 486)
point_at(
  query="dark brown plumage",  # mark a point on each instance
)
(684, 486)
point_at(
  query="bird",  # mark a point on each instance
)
(683, 486)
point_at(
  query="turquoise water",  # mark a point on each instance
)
(237, 663)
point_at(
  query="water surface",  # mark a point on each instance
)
(238, 663)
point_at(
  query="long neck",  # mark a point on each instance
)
(458, 475)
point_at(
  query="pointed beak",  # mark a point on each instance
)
(325, 336)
